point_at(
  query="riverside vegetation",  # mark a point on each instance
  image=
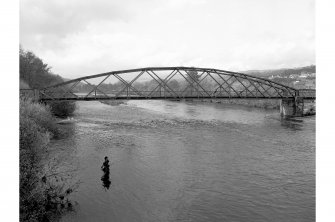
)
(44, 189)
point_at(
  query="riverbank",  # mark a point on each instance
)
(44, 190)
(274, 104)
(113, 102)
(257, 103)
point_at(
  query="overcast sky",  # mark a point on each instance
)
(84, 37)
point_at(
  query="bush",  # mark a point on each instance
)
(40, 114)
(62, 109)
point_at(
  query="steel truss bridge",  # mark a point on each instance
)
(171, 83)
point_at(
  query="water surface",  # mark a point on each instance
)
(179, 161)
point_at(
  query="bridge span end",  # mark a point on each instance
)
(295, 107)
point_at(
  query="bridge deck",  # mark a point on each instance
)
(156, 98)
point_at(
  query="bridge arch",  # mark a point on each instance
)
(168, 83)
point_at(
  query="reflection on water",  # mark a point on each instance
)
(105, 178)
(176, 161)
(292, 124)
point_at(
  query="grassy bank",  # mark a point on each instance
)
(42, 196)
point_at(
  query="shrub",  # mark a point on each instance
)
(62, 109)
(40, 114)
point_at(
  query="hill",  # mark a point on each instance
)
(282, 72)
(300, 77)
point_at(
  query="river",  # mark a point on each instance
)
(184, 161)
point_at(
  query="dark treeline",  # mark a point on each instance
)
(44, 189)
(36, 74)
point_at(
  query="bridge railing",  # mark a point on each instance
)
(125, 94)
(307, 93)
(56, 95)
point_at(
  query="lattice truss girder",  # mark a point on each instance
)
(170, 83)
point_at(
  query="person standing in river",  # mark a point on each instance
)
(105, 165)
(105, 178)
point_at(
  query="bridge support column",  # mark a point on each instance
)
(297, 107)
(292, 107)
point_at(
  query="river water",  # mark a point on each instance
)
(180, 161)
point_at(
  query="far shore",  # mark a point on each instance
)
(258, 103)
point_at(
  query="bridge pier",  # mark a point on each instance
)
(298, 106)
(36, 96)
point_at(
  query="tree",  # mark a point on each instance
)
(38, 75)
(174, 85)
(193, 79)
(35, 72)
